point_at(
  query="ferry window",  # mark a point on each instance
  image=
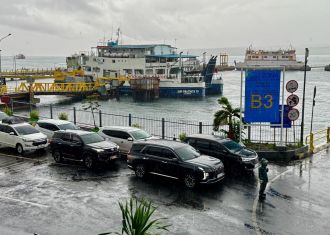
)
(265, 56)
(274, 57)
(113, 61)
(96, 69)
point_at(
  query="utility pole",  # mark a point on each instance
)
(303, 102)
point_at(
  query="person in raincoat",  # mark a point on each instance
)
(263, 177)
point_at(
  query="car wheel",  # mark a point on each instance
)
(189, 181)
(57, 156)
(140, 171)
(89, 161)
(19, 149)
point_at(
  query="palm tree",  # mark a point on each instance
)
(227, 115)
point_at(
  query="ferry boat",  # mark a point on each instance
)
(286, 58)
(113, 60)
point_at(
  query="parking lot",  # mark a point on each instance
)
(40, 196)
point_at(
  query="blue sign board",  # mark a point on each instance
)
(262, 95)
(286, 120)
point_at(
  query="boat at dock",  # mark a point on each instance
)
(265, 58)
(113, 60)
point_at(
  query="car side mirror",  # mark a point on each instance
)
(130, 139)
(11, 133)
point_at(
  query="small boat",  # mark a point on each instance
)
(20, 57)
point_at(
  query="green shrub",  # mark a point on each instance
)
(8, 111)
(95, 129)
(136, 218)
(183, 136)
(136, 125)
(63, 116)
(34, 116)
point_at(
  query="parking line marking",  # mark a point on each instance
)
(24, 202)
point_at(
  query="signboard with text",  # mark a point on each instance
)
(262, 92)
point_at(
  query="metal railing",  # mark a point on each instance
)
(164, 127)
(317, 139)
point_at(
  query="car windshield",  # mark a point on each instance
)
(91, 138)
(140, 134)
(187, 153)
(232, 145)
(26, 130)
(68, 126)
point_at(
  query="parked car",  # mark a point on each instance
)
(174, 160)
(124, 136)
(233, 155)
(2, 116)
(22, 137)
(78, 145)
(49, 126)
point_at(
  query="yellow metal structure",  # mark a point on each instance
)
(58, 87)
(3, 89)
(60, 75)
(319, 138)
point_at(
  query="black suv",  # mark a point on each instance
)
(84, 146)
(174, 160)
(233, 155)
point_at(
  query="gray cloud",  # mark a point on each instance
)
(79, 24)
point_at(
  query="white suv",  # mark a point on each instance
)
(22, 136)
(49, 126)
(124, 136)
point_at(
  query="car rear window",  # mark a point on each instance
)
(68, 126)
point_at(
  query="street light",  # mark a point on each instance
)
(303, 102)
(0, 50)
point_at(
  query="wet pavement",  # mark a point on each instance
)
(44, 197)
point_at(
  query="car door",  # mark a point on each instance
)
(11, 136)
(76, 147)
(152, 159)
(120, 138)
(203, 146)
(170, 164)
(218, 151)
(65, 145)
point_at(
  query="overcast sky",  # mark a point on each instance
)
(62, 27)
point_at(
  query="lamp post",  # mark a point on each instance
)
(0, 50)
(303, 101)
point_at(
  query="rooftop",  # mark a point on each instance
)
(121, 128)
(167, 143)
(54, 121)
(208, 137)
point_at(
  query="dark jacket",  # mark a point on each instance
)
(263, 173)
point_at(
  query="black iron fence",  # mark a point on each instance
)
(164, 127)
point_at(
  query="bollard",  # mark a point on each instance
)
(311, 142)
(74, 116)
(200, 127)
(129, 119)
(100, 118)
(163, 128)
(328, 135)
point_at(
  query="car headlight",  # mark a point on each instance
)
(205, 174)
(244, 159)
(99, 150)
(26, 140)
